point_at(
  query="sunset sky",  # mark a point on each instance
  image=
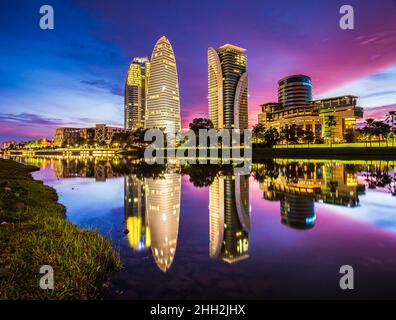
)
(74, 75)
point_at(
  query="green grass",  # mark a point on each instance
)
(34, 232)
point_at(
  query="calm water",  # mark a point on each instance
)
(195, 232)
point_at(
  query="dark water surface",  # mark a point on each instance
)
(283, 232)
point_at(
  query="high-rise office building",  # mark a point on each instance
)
(228, 87)
(163, 102)
(136, 86)
(163, 208)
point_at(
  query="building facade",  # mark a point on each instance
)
(105, 133)
(66, 136)
(8, 144)
(72, 136)
(163, 101)
(136, 86)
(228, 87)
(296, 107)
(295, 90)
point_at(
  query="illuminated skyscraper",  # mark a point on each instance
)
(136, 222)
(229, 216)
(163, 102)
(135, 93)
(163, 207)
(228, 87)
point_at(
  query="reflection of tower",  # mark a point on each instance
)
(298, 211)
(135, 214)
(229, 218)
(163, 207)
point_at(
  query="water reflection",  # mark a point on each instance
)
(152, 197)
(163, 208)
(229, 212)
(136, 220)
(298, 185)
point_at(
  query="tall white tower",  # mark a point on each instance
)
(163, 101)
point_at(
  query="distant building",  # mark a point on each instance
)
(64, 136)
(8, 144)
(136, 86)
(163, 101)
(104, 133)
(71, 136)
(228, 87)
(296, 107)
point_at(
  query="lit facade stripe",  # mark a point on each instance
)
(241, 103)
(215, 88)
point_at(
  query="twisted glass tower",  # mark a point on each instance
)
(163, 102)
(228, 87)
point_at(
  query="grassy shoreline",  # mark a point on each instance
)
(34, 232)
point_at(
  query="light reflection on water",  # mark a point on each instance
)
(197, 232)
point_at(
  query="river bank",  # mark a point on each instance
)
(35, 232)
(342, 153)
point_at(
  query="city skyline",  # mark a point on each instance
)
(75, 76)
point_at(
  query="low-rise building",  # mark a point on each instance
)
(8, 144)
(104, 133)
(64, 136)
(72, 136)
(311, 115)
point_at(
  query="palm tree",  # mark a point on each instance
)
(331, 122)
(369, 128)
(382, 130)
(271, 137)
(308, 136)
(391, 119)
(258, 132)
